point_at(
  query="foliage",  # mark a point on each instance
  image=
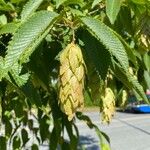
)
(43, 81)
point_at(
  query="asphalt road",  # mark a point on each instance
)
(127, 131)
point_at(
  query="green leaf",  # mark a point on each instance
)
(73, 138)
(34, 147)
(24, 135)
(130, 52)
(59, 2)
(137, 87)
(121, 25)
(16, 1)
(66, 146)
(96, 52)
(95, 2)
(68, 2)
(28, 36)
(20, 79)
(16, 142)
(129, 81)
(54, 138)
(107, 37)
(146, 59)
(44, 128)
(8, 128)
(6, 6)
(29, 8)
(32, 94)
(8, 28)
(112, 9)
(3, 20)
(3, 143)
(2, 2)
(103, 144)
(104, 139)
(141, 2)
(147, 78)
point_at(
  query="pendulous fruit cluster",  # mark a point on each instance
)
(71, 76)
(108, 105)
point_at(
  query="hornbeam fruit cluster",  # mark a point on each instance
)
(71, 76)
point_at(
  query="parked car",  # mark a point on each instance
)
(138, 106)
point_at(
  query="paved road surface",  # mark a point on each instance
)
(127, 132)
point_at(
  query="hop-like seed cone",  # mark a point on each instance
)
(108, 105)
(71, 75)
(124, 97)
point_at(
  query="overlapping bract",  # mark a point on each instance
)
(108, 105)
(124, 97)
(72, 73)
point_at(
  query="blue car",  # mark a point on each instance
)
(140, 106)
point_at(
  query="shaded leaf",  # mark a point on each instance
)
(24, 135)
(3, 143)
(16, 142)
(96, 52)
(35, 147)
(129, 81)
(112, 9)
(147, 78)
(107, 37)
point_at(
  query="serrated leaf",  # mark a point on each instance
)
(130, 52)
(112, 9)
(96, 52)
(29, 8)
(129, 81)
(137, 87)
(20, 79)
(107, 37)
(28, 36)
